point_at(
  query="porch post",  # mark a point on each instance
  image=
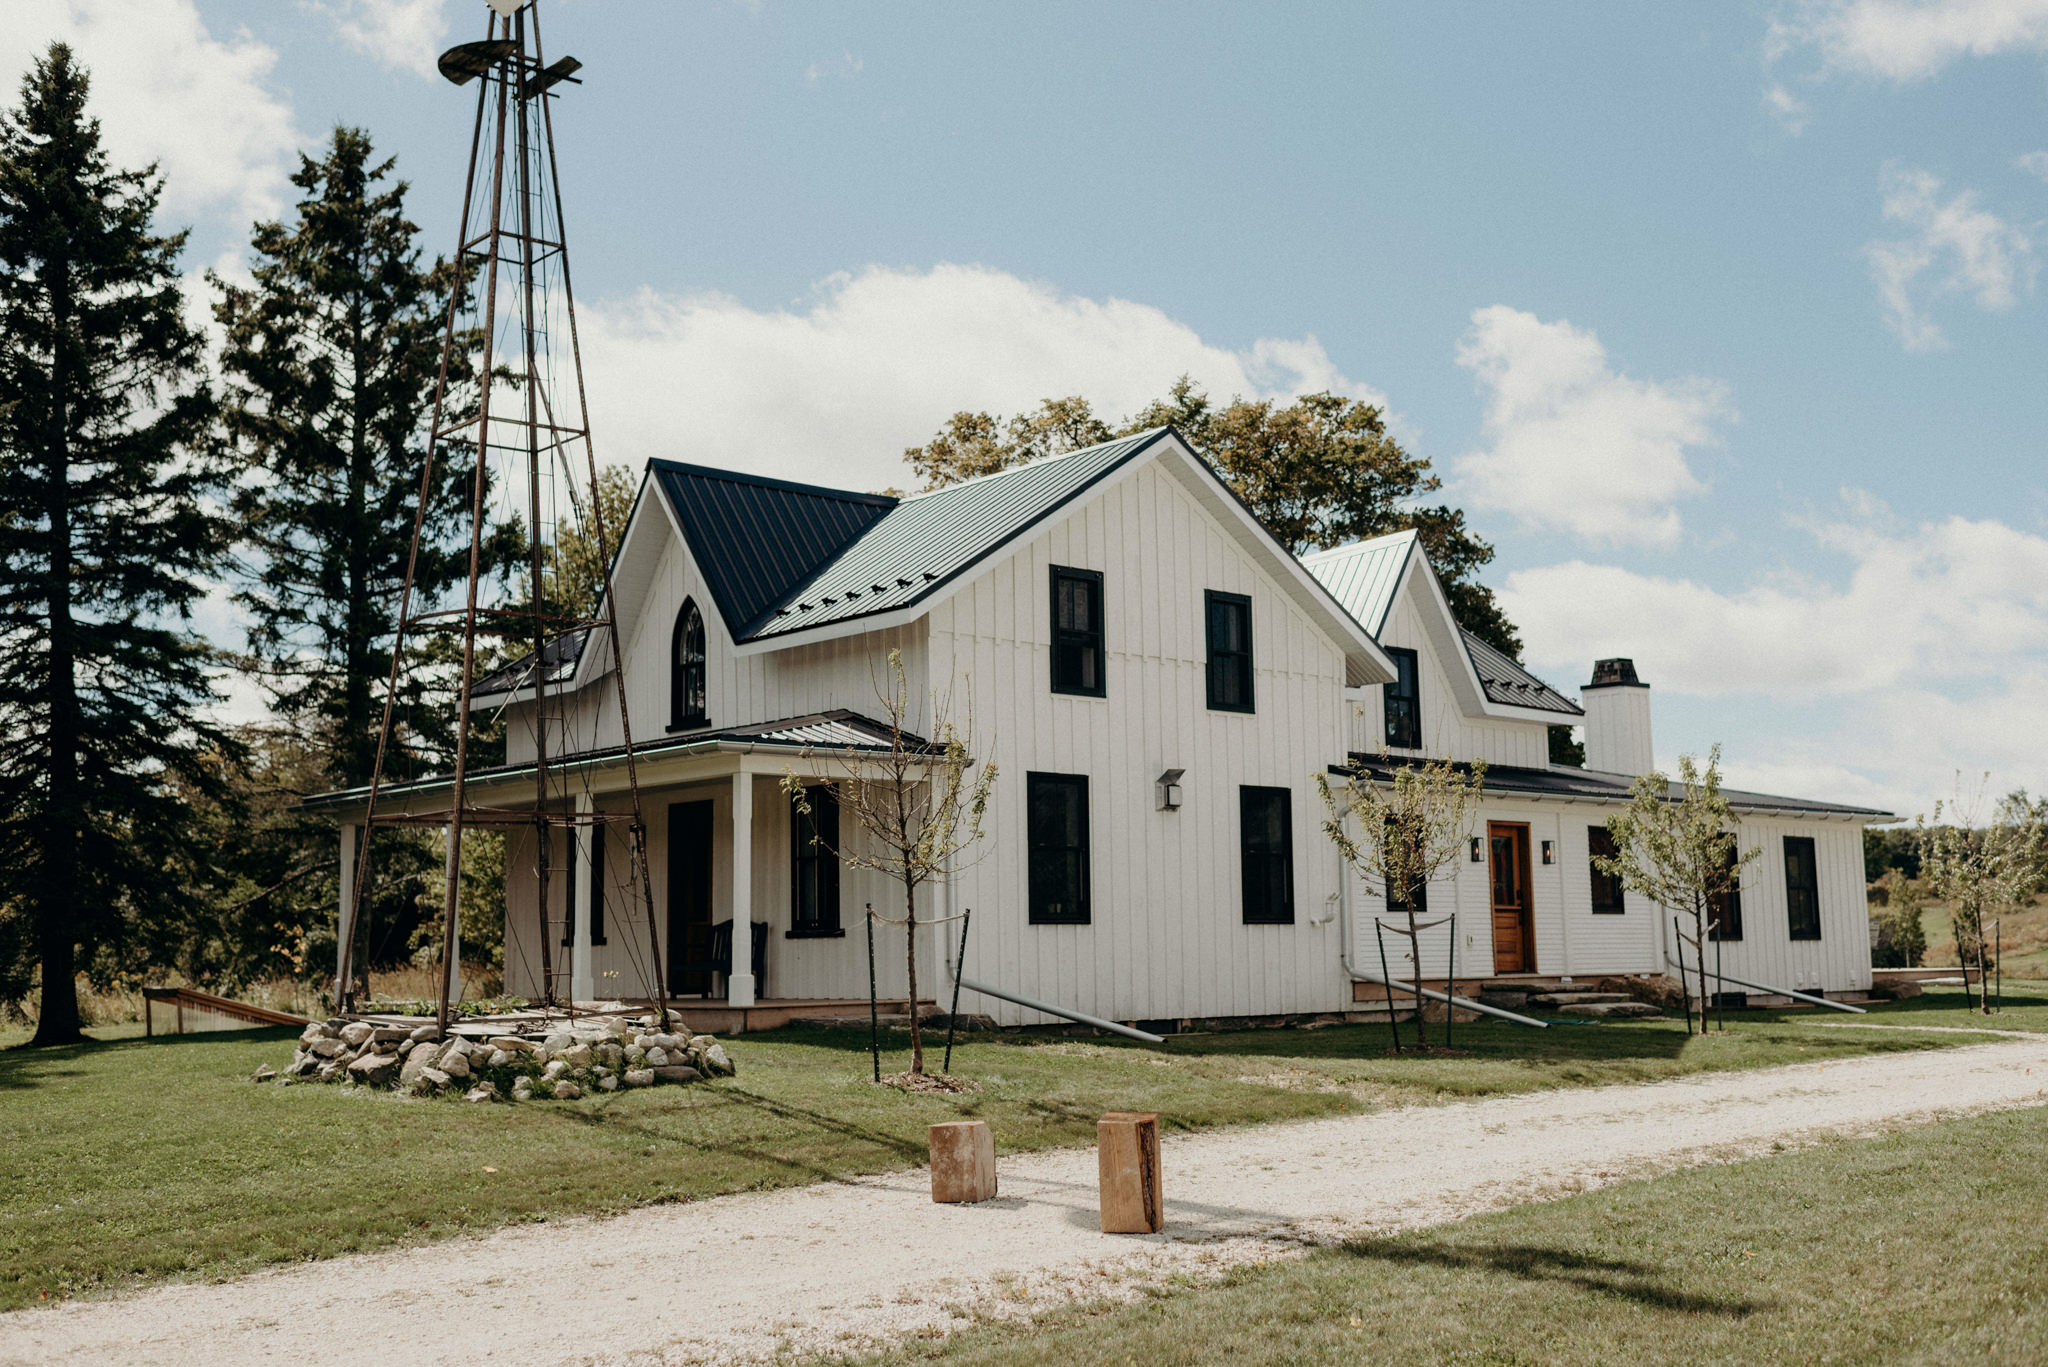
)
(345, 917)
(739, 984)
(582, 978)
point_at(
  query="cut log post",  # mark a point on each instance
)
(963, 1161)
(1127, 1150)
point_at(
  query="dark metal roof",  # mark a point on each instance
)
(559, 657)
(1597, 786)
(1507, 682)
(757, 539)
(838, 730)
(792, 557)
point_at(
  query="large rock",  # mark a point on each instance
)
(328, 1048)
(484, 1092)
(423, 1033)
(389, 1034)
(435, 1078)
(576, 1056)
(374, 1068)
(511, 1044)
(657, 1057)
(357, 1033)
(567, 1091)
(417, 1062)
(639, 1077)
(676, 1073)
(314, 1031)
(608, 1084)
(719, 1062)
(1621, 1010)
(498, 1059)
(454, 1060)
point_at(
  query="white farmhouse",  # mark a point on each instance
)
(1159, 682)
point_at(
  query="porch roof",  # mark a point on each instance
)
(839, 731)
(1590, 785)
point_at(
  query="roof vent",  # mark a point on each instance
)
(1612, 673)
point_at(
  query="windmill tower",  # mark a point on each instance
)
(509, 408)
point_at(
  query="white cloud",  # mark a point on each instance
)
(404, 35)
(831, 390)
(1933, 655)
(1956, 247)
(1897, 40)
(846, 68)
(1789, 109)
(1574, 445)
(166, 90)
(2033, 163)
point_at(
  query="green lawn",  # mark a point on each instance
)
(134, 1159)
(1925, 1247)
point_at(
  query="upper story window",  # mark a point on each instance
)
(814, 872)
(1056, 834)
(1607, 890)
(1802, 888)
(686, 670)
(1077, 632)
(1230, 651)
(1404, 701)
(1725, 911)
(1266, 854)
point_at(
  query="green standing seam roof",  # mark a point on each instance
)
(1363, 576)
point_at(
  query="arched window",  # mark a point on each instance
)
(686, 670)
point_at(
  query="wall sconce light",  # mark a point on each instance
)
(1169, 790)
(1550, 851)
(1475, 849)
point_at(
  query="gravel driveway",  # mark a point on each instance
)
(843, 1265)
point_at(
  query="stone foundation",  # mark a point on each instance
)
(559, 1061)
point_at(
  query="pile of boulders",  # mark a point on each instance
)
(561, 1060)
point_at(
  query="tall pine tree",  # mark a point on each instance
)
(329, 366)
(108, 526)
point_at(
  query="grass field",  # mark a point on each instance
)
(131, 1159)
(1921, 1248)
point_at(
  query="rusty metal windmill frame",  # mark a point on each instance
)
(514, 249)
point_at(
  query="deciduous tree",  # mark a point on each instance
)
(1981, 870)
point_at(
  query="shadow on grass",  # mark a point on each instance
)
(27, 1066)
(1632, 1281)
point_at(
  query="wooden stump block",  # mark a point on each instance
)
(1127, 1150)
(963, 1161)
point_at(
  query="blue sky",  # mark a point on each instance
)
(1721, 321)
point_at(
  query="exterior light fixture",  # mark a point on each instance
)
(1475, 849)
(1169, 790)
(1550, 851)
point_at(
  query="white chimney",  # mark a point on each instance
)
(1617, 707)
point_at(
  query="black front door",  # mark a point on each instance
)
(689, 898)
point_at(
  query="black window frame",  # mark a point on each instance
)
(596, 888)
(1726, 909)
(1065, 638)
(1413, 697)
(687, 703)
(1037, 853)
(1795, 924)
(1257, 865)
(1212, 599)
(1608, 890)
(814, 866)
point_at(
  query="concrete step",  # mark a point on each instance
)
(1621, 1010)
(1562, 999)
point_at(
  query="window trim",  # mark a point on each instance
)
(1210, 599)
(596, 888)
(1247, 793)
(1596, 879)
(1092, 578)
(1078, 783)
(1387, 696)
(1730, 909)
(680, 717)
(1792, 927)
(827, 925)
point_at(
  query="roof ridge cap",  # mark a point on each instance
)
(1038, 464)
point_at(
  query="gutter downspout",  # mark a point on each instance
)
(1788, 992)
(1357, 974)
(1080, 1017)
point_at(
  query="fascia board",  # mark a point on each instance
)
(1364, 654)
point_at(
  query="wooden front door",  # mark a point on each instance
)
(1514, 928)
(689, 898)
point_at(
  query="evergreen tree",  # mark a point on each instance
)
(330, 363)
(108, 525)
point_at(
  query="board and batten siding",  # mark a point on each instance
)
(1446, 730)
(739, 689)
(813, 969)
(1166, 938)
